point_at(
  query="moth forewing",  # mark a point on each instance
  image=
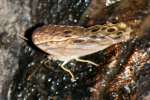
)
(71, 42)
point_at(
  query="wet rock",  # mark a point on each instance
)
(26, 73)
(18, 16)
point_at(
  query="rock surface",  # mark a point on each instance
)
(18, 17)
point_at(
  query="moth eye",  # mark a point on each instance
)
(111, 29)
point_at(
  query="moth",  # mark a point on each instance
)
(66, 43)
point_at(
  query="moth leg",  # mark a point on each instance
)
(67, 70)
(87, 61)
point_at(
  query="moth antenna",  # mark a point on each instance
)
(22, 37)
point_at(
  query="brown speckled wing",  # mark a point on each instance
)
(74, 41)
